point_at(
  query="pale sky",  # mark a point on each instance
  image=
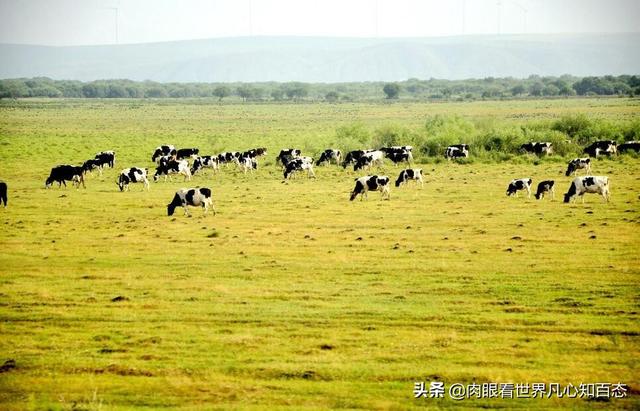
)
(88, 22)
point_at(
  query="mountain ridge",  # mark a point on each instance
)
(330, 59)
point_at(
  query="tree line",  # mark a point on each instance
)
(412, 89)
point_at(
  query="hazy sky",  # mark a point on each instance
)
(78, 22)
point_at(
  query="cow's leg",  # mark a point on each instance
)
(528, 191)
(553, 193)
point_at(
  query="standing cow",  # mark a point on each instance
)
(371, 183)
(3, 193)
(195, 197)
(588, 184)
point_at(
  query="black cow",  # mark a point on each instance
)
(629, 146)
(3, 193)
(607, 147)
(65, 172)
(163, 151)
(287, 154)
(196, 197)
(186, 152)
(545, 187)
(537, 148)
(400, 156)
(105, 158)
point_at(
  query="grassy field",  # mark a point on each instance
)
(292, 296)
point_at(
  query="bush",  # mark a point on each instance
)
(443, 131)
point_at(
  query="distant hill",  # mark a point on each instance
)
(330, 60)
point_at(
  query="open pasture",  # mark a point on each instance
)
(292, 296)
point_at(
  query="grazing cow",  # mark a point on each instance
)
(3, 193)
(607, 147)
(398, 154)
(537, 148)
(105, 158)
(456, 151)
(173, 167)
(369, 159)
(298, 164)
(167, 150)
(629, 145)
(545, 187)
(588, 184)
(133, 175)
(578, 164)
(90, 165)
(519, 184)
(196, 197)
(247, 163)
(204, 162)
(410, 174)
(352, 157)
(186, 153)
(64, 173)
(371, 183)
(287, 154)
(228, 157)
(329, 155)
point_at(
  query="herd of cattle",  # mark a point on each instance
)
(169, 160)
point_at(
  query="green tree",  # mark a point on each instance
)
(331, 96)
(392, 90)
(221, 92)
(518, 90)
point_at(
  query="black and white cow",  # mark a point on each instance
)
(246, 163)
(167, 150)
(537, 148)
(186, 153)
(286, 154)
(629, 146)
(588, 184)
(228, 157)
(456, 151)
(367, 160)
(66, 172)
(90, 165)
(578, 164)
(519, 184)
(3, 193)
(299, 164)
(352, 157)
(546, 186)
(608, 147)
(204, 162)
(105, 159)
(172, 167)
(133, 175)
(398, 154)
(255, 152)
(410, 174)
(195, 197)
(329, 155)
(371, 183)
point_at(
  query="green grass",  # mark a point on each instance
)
(292, 296)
